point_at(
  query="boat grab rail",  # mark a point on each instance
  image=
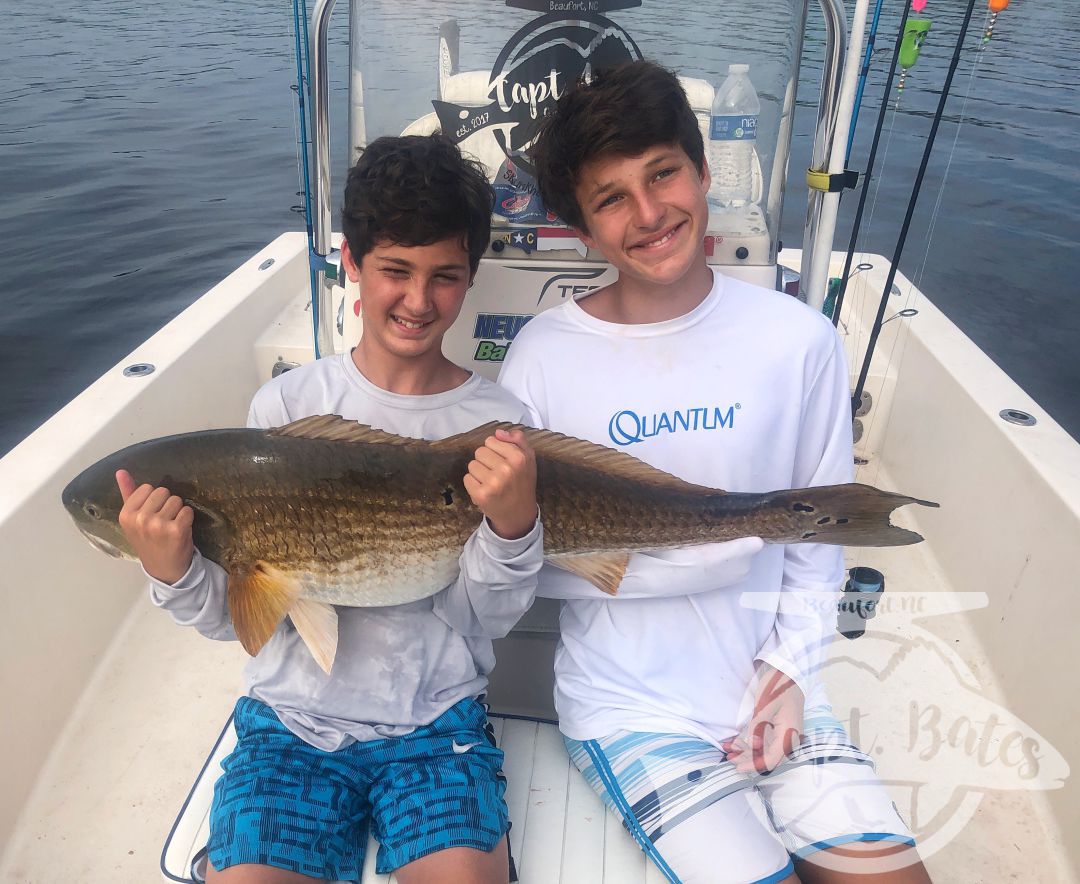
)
(818, 232)
(328, 270)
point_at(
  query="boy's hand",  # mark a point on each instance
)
(158, 527)
(502, 482)
(775, 728)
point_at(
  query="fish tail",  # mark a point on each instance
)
(847, 515)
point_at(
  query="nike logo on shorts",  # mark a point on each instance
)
(460, 748)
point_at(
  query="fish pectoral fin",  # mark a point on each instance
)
(260, 596)
(603, 570)
(317, 624)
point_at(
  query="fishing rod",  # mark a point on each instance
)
(871, 40)
(901, 240)
(856, 225)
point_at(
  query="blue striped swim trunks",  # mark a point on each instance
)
(686, 805)
(281, 802)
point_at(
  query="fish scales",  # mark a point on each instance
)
(586, 511)
(344, 513)
(586, 508)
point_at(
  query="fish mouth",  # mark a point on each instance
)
(102, 545)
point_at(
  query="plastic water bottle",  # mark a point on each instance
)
(732, 129)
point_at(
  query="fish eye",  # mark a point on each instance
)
(92, 511)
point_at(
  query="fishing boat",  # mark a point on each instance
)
(959, 679)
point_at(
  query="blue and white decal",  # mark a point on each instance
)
(628, 427)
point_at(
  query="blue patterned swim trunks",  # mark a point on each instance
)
(281, 802)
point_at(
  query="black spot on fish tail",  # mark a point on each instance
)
(851, 515)
(448, 496)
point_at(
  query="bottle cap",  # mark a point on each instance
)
(865, 580)
(738, 68)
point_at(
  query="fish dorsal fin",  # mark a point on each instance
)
(578, 452)
(546, 443)
(567, 449)
(260, 596)
(333, 428)
(474, 438)
(605, 571)
(317, 625)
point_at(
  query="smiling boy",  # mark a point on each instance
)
(698, 717)
(393, 738)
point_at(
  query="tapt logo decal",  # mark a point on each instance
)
(534, 68)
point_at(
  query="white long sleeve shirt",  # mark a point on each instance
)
(748, 392)
(397, 667)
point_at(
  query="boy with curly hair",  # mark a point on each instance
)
(394, 738)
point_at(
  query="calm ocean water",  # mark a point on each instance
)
(147, 149)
